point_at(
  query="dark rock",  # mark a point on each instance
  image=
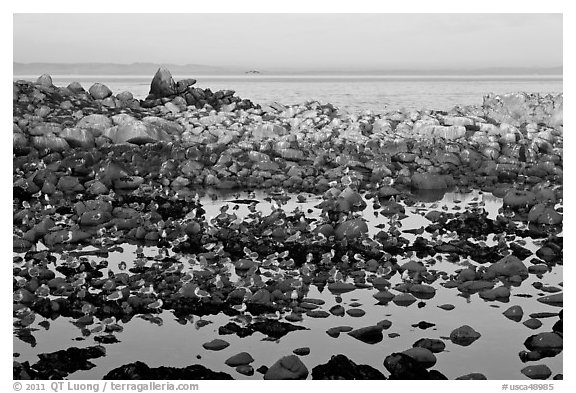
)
(288, 367)
(368, 335)
(339, 367)
(472, 376)
(304, 351)
(216, 345)
(464, 336)
(422, 355)
(141, 371)
(556, 300)
(162, 84)
(404, 367)
(537, 371)
(240, 359)
(514, 313)
(532, 323)
(434, 345)
(549, 344)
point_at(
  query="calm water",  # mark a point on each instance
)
(351, 93)
(495, 354)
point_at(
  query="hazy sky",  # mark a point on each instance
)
(312, 41)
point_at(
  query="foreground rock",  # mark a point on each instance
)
(340, 367)
(288, 367)
(141, 371)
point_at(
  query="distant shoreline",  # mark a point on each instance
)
(304, 76)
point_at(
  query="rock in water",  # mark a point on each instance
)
(464, 336)
(240, 359)
(423, 356)
(369, 334)
(163, 84)
(289, 367)
(139, 370)
(216, 345)
(537, 371)
(340, 367)
(514, 313)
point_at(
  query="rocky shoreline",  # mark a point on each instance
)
(93, 168)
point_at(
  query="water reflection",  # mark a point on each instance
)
(169, 341)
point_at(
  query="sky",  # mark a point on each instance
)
(294, 41)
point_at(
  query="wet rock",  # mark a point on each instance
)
(351, 229)
(549, 344)
(240, 359)
(304, 351)
(423, 325)
(537, 371)
(472, 376)
(317, 314)
(422, 355)
(288, 367)
(556, 300)
(464, 335)
(340, 287)
(141, 371)
(404, 299)
(245, 370)
(216, 345)
(508, 266)
(60, 364)
(501, 293)
(334, 332)
(432, 344)
(403, 367)
(447, 307)
(368, 335)
(383, 297)
(514, 313)
(356, 312)
(98, 91)
(337, 310)
(532, 323)
(339, 367)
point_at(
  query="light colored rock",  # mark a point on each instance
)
(98, 91)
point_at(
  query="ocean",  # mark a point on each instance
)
(352, 93)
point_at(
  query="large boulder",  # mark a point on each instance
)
(162, 84)
(508, 266)
(96, 123)
(289, 367)
(351, 229)
(50, 142)
(137, 132)
(98, 91)
(78, 137)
